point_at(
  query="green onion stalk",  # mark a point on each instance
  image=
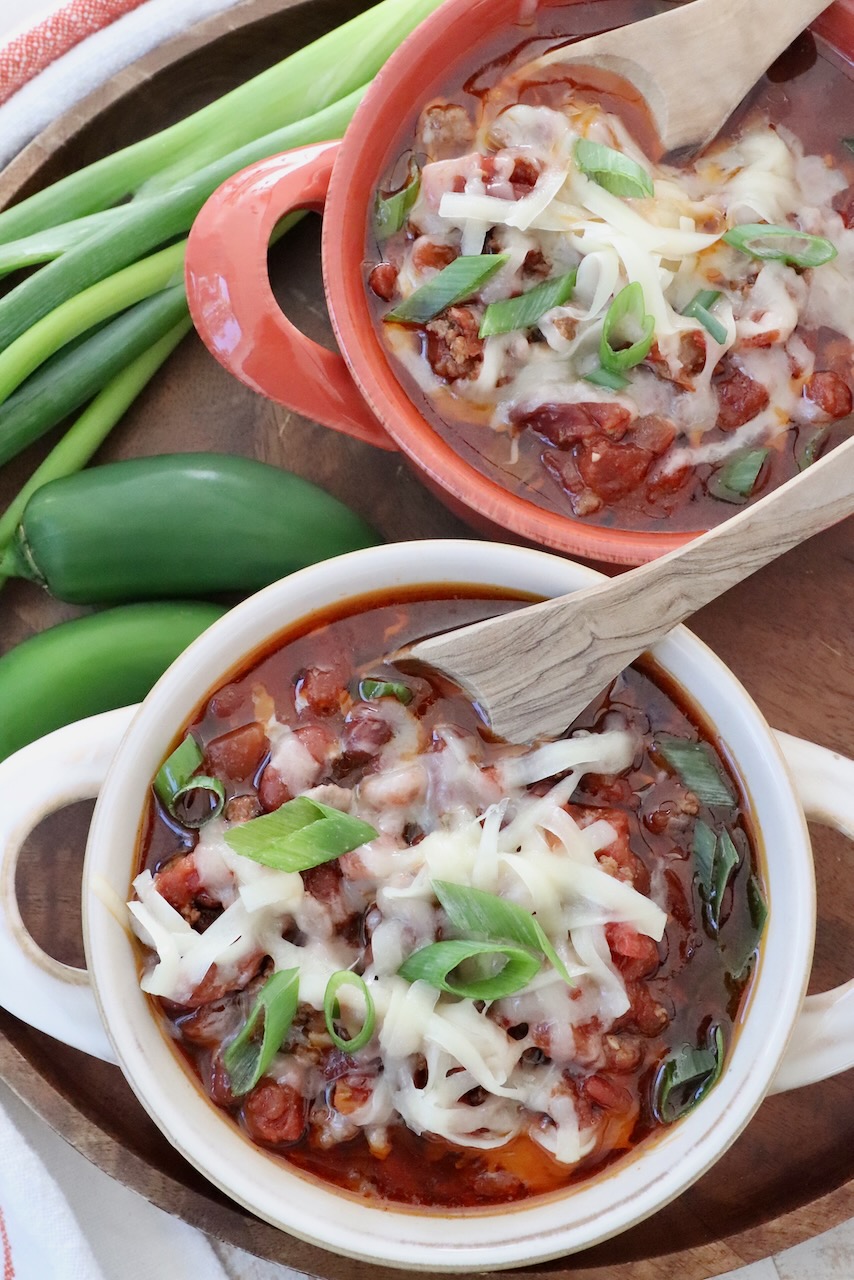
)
(300, 85)
(150, 223)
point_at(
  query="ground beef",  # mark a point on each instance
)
(453, 347)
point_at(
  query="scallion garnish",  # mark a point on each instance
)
(781, 244)
(371, 689)
(736, 479)
(390, 211)
(606, 378)
(626, 322)
(811, 450)
(435, 963)
(699, 308)
(686, 1077)
(475, 912)
(750, 940)
(524, 311)
(612, 170)
(177, 779)
(726, 861)
(302, 833)
(345, 977)
(703, 849)
(458, 280)
(698, 769)
(849, 143)
(248, 1057)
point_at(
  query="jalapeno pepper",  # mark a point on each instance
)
(176, 525)
(92, 664)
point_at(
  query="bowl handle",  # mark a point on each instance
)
(822, 1044)
(67, 765)
(232, 304)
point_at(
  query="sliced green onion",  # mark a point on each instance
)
(77, 373)
(371, 689)
(435, 963)
(726, 861)
(344, 977)
(703, 849)
(606, 378)
(524, 311)
(781, 244)
(247, 1058)
(699, 308)
(686, 1077)
(849, 143)
(458, 280)
(612, 170)
(177, 769)
(473, 911)
(625, 318)
(85, 436)
(735, 480)
(177, 778)
(299, 835)
(758, 909)
(808, 455)
(302, 83)
(390, 212)
(698, 769)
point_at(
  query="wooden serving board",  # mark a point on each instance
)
(786, 633)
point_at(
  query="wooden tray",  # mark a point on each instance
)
(786, 633)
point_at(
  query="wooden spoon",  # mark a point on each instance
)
(534, 670)
(693, 64)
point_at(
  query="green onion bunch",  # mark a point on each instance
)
(91, 325)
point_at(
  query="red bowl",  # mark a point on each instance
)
(358, 392)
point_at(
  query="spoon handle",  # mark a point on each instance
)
(571, 647)
(696, 63)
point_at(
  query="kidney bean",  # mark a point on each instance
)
(322, 882)
(272, 790)
(365, 733)
(320, 689)
(275, 1113)
(830, 392)
(428, 253)
(383, 280)
(238, 753)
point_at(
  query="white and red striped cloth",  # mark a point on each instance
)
(54, 52)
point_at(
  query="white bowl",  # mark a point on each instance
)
(71, 763)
